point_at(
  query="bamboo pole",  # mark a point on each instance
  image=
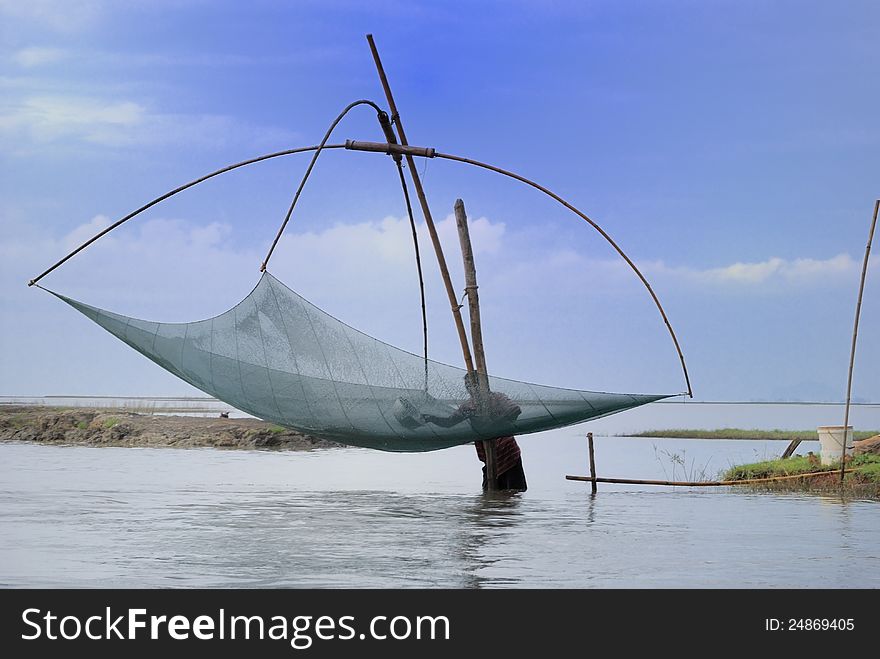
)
(426, 211)
(470, 286)
(852, 354)
(173, 192)
(602, 232)
(792, 446)
(636, 481)
(592, 462)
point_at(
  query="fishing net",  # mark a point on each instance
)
(280, 358)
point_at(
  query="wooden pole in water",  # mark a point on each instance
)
(426, 211)
(749, 481)
(852, 354)
(470, 287)
(592, 462)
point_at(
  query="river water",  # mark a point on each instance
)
(124, 517)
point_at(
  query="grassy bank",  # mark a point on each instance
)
(739, 433)
(864, 481)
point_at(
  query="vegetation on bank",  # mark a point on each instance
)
(867, 466)
(864, 481)
(739, 433)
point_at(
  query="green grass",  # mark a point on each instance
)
(110, 422)
(739, 433)
(277, 429)
(868, 465)
(867, 468)
(871, 471)
(798, 464)
(82, 425)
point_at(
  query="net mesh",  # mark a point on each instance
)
(280, 358)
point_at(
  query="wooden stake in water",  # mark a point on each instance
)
(592, 462)
(852, 354)
(470, 282)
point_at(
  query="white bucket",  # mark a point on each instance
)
(831, 443)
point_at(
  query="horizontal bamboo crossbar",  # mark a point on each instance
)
(635, 481)
(382, 147)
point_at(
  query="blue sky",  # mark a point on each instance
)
(729, 147)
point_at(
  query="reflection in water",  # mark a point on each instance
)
(358, 539)
(488, 519)
(591, 503)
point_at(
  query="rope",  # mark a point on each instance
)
(311, 166)
(415, 236)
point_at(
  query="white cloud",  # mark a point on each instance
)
(65, 16)
(749, 273)
(487, 237)
(348, 261)
(360, 261)
(173, 270)
(51, 119)
(772, 271)
(341, 265)
(35, 56)
(794, 271)
(803, 268)
(85, 231)
(354, 266)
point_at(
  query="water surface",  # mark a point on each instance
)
(120, 517)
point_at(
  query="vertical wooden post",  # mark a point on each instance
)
(852, 354)
(592, 462)
(470, 286)
(426, 211)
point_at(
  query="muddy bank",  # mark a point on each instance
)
(107, 427)
(856, 486)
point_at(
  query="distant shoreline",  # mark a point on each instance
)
(80, 426)
(740, 433)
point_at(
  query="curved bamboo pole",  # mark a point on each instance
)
(852, 354)
(305, 178)
(446, 156)
(175, 191)
(602, 232)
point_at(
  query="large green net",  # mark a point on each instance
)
(280, 358)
